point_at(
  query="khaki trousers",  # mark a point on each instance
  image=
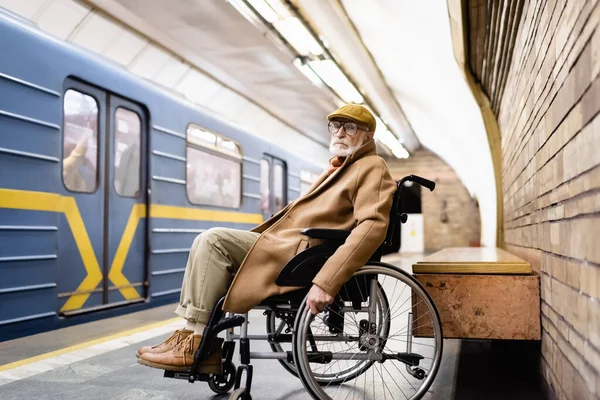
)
(214, 259)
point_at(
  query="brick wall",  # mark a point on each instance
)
(550, 127)
(463, 226)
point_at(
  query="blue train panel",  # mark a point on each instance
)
(97, 210)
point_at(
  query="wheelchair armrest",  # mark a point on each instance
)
(337, 235)
(301, 270)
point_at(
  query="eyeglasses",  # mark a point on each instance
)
(349, 127)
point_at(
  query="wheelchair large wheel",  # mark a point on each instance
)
(277, 326)
(380, 352)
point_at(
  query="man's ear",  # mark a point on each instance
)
(370, 135)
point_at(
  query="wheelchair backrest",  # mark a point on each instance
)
(394, 221)
(396, 216)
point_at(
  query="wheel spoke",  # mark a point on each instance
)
(390, 325)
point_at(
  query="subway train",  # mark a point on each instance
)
(105, 181)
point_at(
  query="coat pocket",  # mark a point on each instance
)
(303, 245)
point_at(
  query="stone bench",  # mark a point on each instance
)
(481, 293)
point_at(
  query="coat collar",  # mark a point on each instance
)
(367, 149)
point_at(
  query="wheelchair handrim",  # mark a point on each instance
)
(306, 318)
(350, 373)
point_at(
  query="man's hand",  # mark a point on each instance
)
(317, 300)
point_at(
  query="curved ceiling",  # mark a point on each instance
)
(411, 44)
(399, 52)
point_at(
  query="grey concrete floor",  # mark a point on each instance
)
(469, 369)
(42, 343)
(117, 375)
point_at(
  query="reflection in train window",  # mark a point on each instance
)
(80, 145)
(273, 184)
(278, 186)
(306, 180)
(201, 137)
(264, 186)
(214, 169)
(128, 128)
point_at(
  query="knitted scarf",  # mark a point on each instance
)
(336, 162)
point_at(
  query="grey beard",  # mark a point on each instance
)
(344, 152)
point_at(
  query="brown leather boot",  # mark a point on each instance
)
(172, 341)
(181, 357)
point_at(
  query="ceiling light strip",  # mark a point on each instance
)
(313, 58)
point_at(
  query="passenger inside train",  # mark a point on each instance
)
(355, 193)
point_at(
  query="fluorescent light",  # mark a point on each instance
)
(389, 140)
(380, 124)
(309, 73)
(264, 10)
(298, 36)
(279, 8)
(335, 79)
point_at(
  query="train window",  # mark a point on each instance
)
(264, 186)
(273, 191)
(214, 169)
(80, 142)
(279, 186)
(201, 137)
(306, 180)
(128, 130)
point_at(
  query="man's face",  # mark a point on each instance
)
(345, 138)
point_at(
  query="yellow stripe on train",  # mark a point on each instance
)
(52, 202)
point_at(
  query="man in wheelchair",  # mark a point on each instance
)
(354, 194)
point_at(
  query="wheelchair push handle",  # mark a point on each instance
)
(422, 181)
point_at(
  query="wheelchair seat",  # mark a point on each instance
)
(301, 270)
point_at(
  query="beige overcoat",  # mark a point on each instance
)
(356, 197)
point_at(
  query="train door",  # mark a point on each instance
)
(273, 185)
(126, 203)
(103, 237)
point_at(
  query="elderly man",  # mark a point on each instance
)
(353, 194)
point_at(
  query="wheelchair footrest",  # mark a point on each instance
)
(411, 359)
(177, 375)
(185, 375)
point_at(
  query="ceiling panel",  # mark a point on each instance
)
(216, 31)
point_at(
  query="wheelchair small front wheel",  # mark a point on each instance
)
(387, 342)
(223, 382)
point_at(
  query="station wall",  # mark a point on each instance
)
(550, 129)
(451, 217)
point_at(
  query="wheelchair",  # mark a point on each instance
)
(380, 338)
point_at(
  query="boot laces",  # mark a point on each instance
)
(186, 345)
(176, 337)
